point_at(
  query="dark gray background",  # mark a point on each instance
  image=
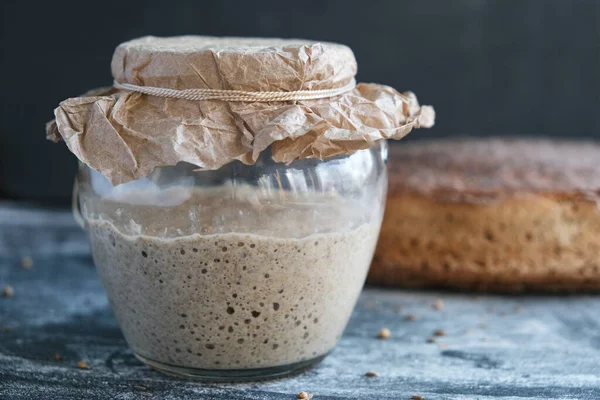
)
(490, 67)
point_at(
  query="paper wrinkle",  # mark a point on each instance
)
(125, 135)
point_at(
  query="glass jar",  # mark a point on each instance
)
(239, 273)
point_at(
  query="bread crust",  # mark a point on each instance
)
(471, 227)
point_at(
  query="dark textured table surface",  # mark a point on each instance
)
(494, 347)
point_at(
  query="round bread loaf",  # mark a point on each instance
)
(504, 215)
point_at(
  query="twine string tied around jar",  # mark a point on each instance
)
(236, 95)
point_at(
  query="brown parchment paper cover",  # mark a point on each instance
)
(125, 135)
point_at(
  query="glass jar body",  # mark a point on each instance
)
(239, 273)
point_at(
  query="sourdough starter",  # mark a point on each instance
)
(233, 300)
